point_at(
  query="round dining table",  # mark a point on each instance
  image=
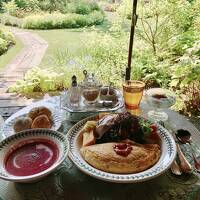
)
(69, 183)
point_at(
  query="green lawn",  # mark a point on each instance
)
(59, 40)
(11, 53)
(69, 40)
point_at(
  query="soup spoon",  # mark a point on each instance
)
(184, 137)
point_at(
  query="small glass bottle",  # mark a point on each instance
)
(74, 95)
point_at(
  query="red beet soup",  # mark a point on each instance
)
(31, 157)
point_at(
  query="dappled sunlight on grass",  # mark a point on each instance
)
(69, 40)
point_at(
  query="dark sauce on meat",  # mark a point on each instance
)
(124, 126)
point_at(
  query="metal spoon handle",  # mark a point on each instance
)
(196, 162)
(175, 168)
(185, 165)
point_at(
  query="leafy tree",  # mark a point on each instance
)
(153, 24)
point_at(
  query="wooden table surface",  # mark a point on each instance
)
(67, 182)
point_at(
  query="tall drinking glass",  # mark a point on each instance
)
(133, 92)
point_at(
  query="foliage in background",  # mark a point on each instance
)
(45, 80)
(125, 9)
(109, 6)
(83, 7)
(106, 54)
(58, 20)
(191, 102)
(9, 7)
(33, 5)
(163, 21)
(167, 55)
(9, 20)
(14, 7)
(51, 14)
(171, 31)
(6, 40)
(186, 80)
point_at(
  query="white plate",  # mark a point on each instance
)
(168, 153)
(26, 136)
(9, 123)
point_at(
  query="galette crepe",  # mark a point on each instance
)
(104, 157)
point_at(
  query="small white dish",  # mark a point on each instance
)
(25, 137)
(168, 153)
(9, 123)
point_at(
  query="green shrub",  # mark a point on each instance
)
(96, 18)
(21, 8)
(82, 20)
(6, 40)
(94, 6)
(181, 42)
(9, 20)
(45, 80)
(7, 36)
(10, 7)
(51, 5)
(26, 7)
(21, 3)
(58, 20)
(197, 24)
(3, 46)
(83, 7)
(79, 13)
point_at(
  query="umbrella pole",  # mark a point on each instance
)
(133, 24)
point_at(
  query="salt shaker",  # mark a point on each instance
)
(74, 95)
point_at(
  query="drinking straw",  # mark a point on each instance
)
(133, 24)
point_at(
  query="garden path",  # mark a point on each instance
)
(30, 56)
